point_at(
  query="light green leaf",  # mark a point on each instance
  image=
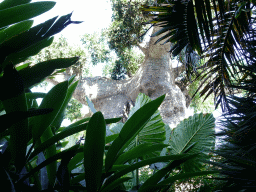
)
(91, 105)
(130, 129)
(198, 129)
(153, 132)
(59, 118)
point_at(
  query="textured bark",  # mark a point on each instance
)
(154, 78)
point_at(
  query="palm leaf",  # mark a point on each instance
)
(217, 30)
(197, 130)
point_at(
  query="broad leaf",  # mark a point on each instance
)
(197, 130)
(153, 132)
(130, 129)
(139, 151)
(94, 152)
(130, 168)
(13, 30)
(37, 73)
(26, 11)
(54, 99)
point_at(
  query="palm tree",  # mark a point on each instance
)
(223, 33)
(218, 31)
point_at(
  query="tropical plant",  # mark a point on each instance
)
(215, 30)
(18, 41)
(196, 132)
(224, 33)
(31, 159)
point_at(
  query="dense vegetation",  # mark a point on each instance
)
(32, 155)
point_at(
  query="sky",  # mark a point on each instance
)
(94, 14)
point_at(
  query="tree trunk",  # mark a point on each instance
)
(154, 78)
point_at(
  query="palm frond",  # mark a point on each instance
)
(238, 149)
(216, 30)
(197, 130)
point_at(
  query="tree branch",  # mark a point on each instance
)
(178, 70)
(143, 49)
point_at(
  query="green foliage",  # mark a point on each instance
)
(128, 62)
(218, 31)
(96, 44)
(125, 33)
(223, 32)
(118, 66)
(126, 28)
(73, 110)
(199, 104)
(197, 132)
(31, 156)
(59, 49)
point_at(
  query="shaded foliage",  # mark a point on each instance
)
(217, 31)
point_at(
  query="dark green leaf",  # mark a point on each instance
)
(38, 72)
(26, 11)
(94, 152)
(54, 99)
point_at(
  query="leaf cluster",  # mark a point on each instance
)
(224, 33)
(216, 30)
(32, 158)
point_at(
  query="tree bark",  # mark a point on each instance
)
(154, 78)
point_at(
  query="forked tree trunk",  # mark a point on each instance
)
(154, 78)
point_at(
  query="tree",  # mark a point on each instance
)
(154, 77)
(223, 32)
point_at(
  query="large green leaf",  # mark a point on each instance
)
(54, 99)
(153, 132)
(35, 74)
(23, 12)
(130, 129)
(31, 37)
(41, 130)
(197, 130)
(59, 118)
(13, 30)
(139, 151)
(23, 55)
(56, 138)
(94, 152)
(5, 4)
(129, 168)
